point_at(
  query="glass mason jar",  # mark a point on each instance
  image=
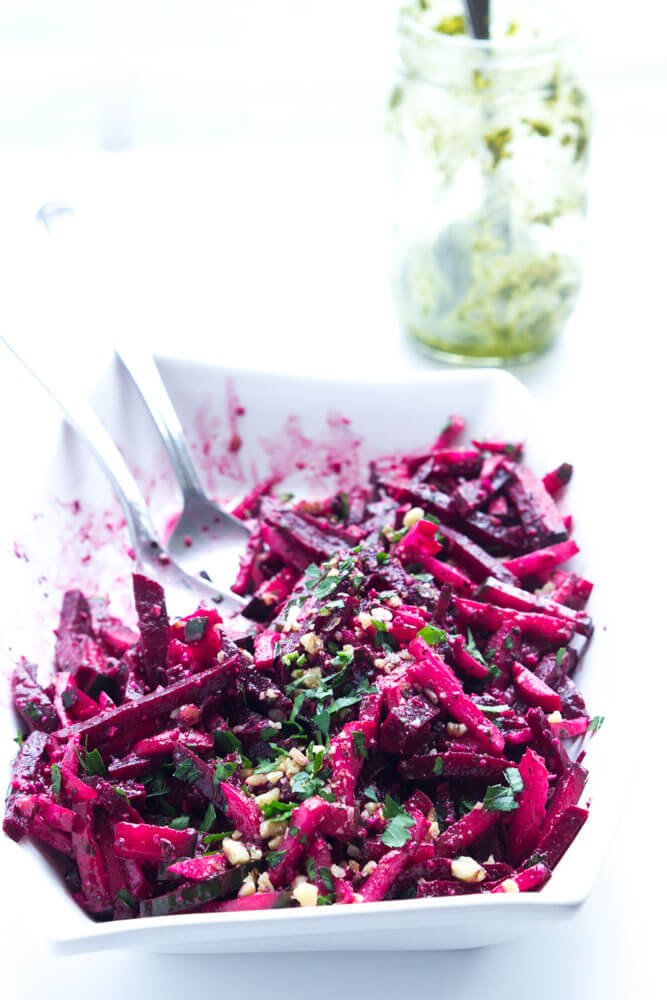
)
(489, 140)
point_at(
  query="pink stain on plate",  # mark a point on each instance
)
(91, 549)
(335, 453)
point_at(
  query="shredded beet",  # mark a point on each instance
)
(397, 727)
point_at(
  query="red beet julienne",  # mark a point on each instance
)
(396, 729)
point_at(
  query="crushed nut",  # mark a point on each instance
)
(305, 894)
(382, 614)
(273, 777)
(290, 767)
(467, 870)
(292, 619)
(256, 780)
(365, 620)
(264, 883)
(298, 756)
(394, 601)
(247, 887)
(555, 717)
(369, 868)
(312, 643)
(311, 678)
(270, 827)
(275, 842)
(412, 516)
(509, 885)
(337, 871)
(456, 729)
(235, 853)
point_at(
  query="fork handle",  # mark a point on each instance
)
(144, 372)
(82, 418)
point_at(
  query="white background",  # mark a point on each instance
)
(248, 224)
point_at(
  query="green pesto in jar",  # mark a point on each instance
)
(491, 145)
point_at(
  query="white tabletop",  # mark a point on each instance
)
(273, 256)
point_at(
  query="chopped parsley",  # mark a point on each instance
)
(216, 838)
(225, 769)
(327, 878)
(92, 763)
(595, 723)
(342, 659)
(195, 629)
(127, 900)
(359, 745)
(180, 823)
(273, 858)
(56, 781)
(400, 822)
(471, 648)
(432, 635)
(383, 639)
(186, 771)
(500, 798)
(226, 742)
(277, 809)
(209, 818)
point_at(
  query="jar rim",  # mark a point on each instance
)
(511, 47)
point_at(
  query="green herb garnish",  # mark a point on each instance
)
(186, 771)
(432, 635)
(209, 818)
(127, 900)
(396, 833)
(277, 810)
(92, 763)
(226, 742)
(225, 769)
(56, 781)
(359, 745)
(195, 629)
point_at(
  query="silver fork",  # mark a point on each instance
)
(206, 540)
(182, 590)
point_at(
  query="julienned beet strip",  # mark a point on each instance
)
(400, 729)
